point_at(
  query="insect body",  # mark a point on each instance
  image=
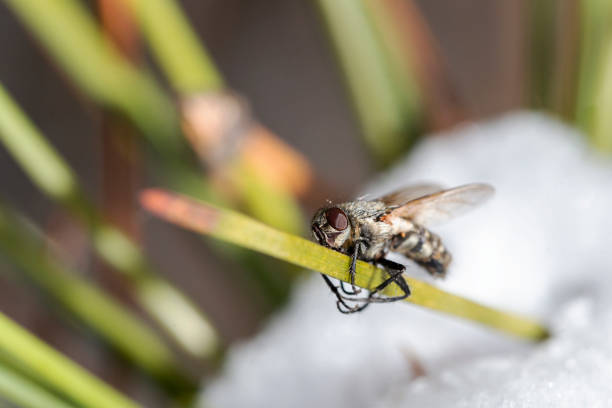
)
(368, 230)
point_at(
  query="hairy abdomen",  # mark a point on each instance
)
(423, 247)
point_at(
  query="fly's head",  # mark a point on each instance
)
(331, 228)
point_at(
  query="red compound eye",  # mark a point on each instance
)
(336, 218)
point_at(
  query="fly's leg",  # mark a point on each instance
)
(341, 304)
(395, 271)
(354, 289)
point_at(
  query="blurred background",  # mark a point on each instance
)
(268, 107)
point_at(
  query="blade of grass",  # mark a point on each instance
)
(72, 37)
(176, 47)
(416, 64)
(117, 24)
(40, 161)
(121, 152)
(565, 66)
(24, 393)
(595, 72)
(553, 55)
(542, 51)
(167, 305)
(602, 121)
(397, 58)
(54, 369)
(367, 76)
(25, 247)
(240, 230)
(595, 86)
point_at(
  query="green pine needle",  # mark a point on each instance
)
(240, 230)
(52, 368)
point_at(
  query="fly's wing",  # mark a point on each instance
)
(443, 205)
(400, 197)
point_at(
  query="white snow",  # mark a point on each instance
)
(540, 247)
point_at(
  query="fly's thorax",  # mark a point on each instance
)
(369, 229)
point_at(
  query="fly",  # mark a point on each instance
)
(397, 222)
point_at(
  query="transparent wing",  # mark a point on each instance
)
(443, 205)
(401, 197)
